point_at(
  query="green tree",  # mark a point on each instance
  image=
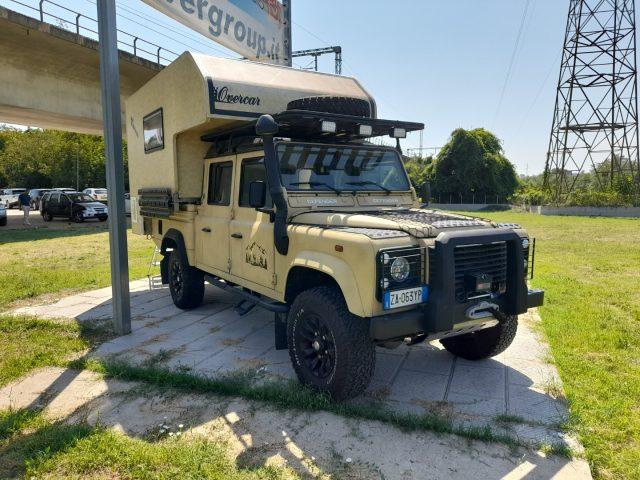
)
(473, 162)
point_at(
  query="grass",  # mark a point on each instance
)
(41, 261)
(590, 269)
(29, 343)
(37, 448)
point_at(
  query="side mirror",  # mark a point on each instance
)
(257, 194)
(425, 192)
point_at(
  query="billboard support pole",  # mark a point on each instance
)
(288, 37)
(112, 118)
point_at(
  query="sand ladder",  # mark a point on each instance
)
(153, 274)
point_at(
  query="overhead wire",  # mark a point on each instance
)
(512, 60)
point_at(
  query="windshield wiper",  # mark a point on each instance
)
(370, 182)
(317, 184)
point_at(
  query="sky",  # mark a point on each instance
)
(448, 64)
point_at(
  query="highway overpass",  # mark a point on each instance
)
(50, 77)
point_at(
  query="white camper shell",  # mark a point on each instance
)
(199, 94)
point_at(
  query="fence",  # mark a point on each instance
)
(469, 198)
(80, 24)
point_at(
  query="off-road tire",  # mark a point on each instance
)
(483, 343)
(340, 105)
(47, 217)
(186, 283)
(355, 355)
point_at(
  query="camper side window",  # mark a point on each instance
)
(220, 183)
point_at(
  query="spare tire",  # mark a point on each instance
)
(340, 105)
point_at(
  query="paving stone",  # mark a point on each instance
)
(476, 405)
(232, 359)
(479, 381)
(534, 404)
(415, 386)
(531, 373)
(387, 367)
(429, 360)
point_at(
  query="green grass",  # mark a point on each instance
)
(37, 448)
(41, 261)
(590, 269)
(28, 343)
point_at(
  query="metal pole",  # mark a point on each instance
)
(111, 113)
(288, 40)
(78, 167)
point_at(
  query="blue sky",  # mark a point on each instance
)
(440, 62)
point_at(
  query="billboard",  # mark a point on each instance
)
(252, 28)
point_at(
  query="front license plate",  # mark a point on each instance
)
(402, 298)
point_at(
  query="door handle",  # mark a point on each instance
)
(206, 230)
(236, 235)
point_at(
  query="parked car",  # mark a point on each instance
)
(64, 189)
(99, 194)
(75, 206)
(36, 195)
(3, 215)
(9, 196)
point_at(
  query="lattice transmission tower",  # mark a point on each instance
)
(595, 122)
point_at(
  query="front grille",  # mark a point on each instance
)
(490, 259)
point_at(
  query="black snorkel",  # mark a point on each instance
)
(266, 128)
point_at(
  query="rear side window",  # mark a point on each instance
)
(253, 170)
(220, 175)
(54, 199)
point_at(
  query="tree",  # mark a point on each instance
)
(473, 161)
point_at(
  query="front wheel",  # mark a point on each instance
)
(483, 343)
(186, 283)
(330, 348)
(77, 217)
(102, 218)
(47, 217)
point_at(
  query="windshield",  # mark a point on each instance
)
(80, 197)
(341, 168)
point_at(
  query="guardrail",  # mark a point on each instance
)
(137, 46)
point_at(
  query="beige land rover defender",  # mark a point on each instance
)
(262, 180)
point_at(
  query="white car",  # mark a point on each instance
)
(9, 196)
(99, 194)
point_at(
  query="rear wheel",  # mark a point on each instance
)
(330, 348)
(186, 283)
(483, 343)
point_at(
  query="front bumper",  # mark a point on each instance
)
(418, 321)
(443, 311)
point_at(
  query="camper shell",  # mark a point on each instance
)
(263, 180)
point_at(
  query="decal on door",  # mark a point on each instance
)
(256, 255)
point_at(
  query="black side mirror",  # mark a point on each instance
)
(425, 192)
(257, 194)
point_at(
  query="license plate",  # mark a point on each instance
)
(402, 298)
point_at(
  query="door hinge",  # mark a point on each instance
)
(274, 279)
(232, 214)
(229, 264)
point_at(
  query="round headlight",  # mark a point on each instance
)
(525, 243)
(400, 269)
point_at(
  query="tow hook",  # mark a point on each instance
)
(483, 310)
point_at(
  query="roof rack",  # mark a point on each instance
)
(308, 125)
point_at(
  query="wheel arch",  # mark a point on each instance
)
(315, 269)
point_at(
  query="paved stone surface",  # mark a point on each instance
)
(511, 392)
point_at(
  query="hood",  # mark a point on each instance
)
(420, 223)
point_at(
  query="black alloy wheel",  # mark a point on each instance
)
(77, 217)
(315, 341)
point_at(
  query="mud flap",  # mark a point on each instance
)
(280, 321)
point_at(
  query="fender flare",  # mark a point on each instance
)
(339, 271)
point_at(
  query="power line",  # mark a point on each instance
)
(512, 61)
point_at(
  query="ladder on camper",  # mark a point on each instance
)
(155, 280)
